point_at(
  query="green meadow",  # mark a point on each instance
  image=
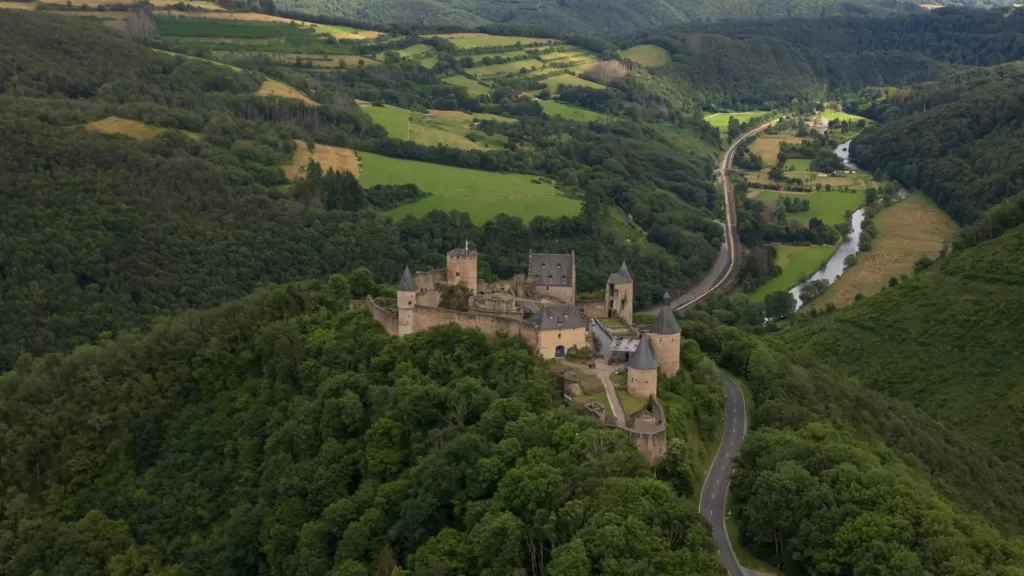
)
(394, 120)
(569, 80)
(798, 165)
(649, 55)
(482, 194)
(552, 108)
(720, 120)
(795, 261)
(472, 86)
(829, 207)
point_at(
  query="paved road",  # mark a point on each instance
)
(728, 258)
(714, 496)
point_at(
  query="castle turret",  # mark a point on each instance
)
(642, 374)
(406, 289)
(665, 334)
(462, 268)
(618, 295)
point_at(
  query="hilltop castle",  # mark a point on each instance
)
(540, 306)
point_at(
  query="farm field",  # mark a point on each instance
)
(795, 261)
(767, 145)
(856, 181)
(562, 54)
(829, 207)
(339, 32)
(649, 55)
(329, 158)
(277, 88)
(18, 5)
(798, 165)
(327, 61)
(829, 114)
(156, 4)
(415, 50)
(906, 231)
(472, 86)
(506, 68)
(466, 40)
(482, 194)
(553, 108)
(569, 80)
(116, 125)
(394, 120)
(720, 120)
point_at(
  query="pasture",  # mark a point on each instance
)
(279, 89)
(415, 50)
(116, 125)
(394, 120)
(767, 145)
(506, 68)
(830, 114)
(829, 207)
(482, 194)
(466, 40)
(906, 231)
(798, 165)
(568, 80)
(329, 158)
(553, 108)
(648, 55)
(796, 262)
(857, 181)
(720, 120)
(472, 86)
(439, 127)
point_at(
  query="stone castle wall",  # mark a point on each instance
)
(665, 348)
(489, 324)
(384, 317)
(429, 280)
(514, 285)
(642, 383)
(593, 308)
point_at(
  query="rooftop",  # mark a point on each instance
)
(643, 359)
(406, 283)
(558, 317)
(622, 276)
(552, 269)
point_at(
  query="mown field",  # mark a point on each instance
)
(649, 55)
(796, 262)
(829, 207)
(329, 158)
(906, 231)
(767, 145)
(483, 195)
(444, 127)
(472, 86)
(553, 108)
(857, 182)
(720, 120)
(465, 40)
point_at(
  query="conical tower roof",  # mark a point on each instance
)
(665, 323)
(622, 276)
(643, 359)
(406, 283)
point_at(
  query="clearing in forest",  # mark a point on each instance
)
(553, 108)
(648, 55)
(472, 86)
(905, 232)
(466, 40)
(569, 80)
(445, 127)
(829, 207)
(117, 125)
(329, 158)
(720, 120)
(796, 262)
(482, 194)
(277, 88)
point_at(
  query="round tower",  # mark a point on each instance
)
(618, 295)
(665, 336)
(642, 375)
(462, 268)
(406, 290)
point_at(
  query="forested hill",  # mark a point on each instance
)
(586, 16)
(958, 140)
(285, 434)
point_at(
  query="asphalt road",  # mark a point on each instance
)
(714, 495)
(728, 258)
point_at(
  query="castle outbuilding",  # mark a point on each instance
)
(619, 294)
(664, 334)
(642, 374)
(462, 268)
(553, 276)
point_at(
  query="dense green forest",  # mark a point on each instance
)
(957, 140)
(182, 222)
(287, 434)
(590, 16)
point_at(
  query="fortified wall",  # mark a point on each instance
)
(647, 429)
(488, 323)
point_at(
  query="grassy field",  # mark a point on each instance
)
(857, 182)
(906, 231)
(553, 108)
(601, 398)
(829, 114)
(472, 86)
(569, 80)
(446, 127)
(483, 195)
(795, 261)
(329, 157)
(505, 68)
(767, 145)
(829, 207)
(415, 50)
(562, 54)
(277, 88)
(133, 128)
(649, 55)
(466, 40)
(720, 120)
(798, 165)
(394, 120)
(630, 404)
(477, 58)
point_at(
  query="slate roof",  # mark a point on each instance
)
(558, 317)
(643, 359)
(622, 276)
(665, 323)
(552, 269)
(406, 283)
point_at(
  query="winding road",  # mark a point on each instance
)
(714, 495)
(729, 255)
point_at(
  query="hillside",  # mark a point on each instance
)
(287, 434)
(946, 340)
(584, 16)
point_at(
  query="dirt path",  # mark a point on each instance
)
(603, 371)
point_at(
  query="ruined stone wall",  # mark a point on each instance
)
(514, 285)
(489, 324)
(495, 305)
(384, 317)
(593, 308)
(652, 443)
(564, 294)
(428, 280)
(620, 301)
(428, 298)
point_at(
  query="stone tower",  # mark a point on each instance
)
(462, 268)
(642, 375)
(664, 334)
(406, 303)
(618, 295)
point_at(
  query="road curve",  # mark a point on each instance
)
(729, 256)
(714, 495)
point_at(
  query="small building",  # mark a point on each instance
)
(560, 327)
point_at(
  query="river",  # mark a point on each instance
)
(851, 244)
